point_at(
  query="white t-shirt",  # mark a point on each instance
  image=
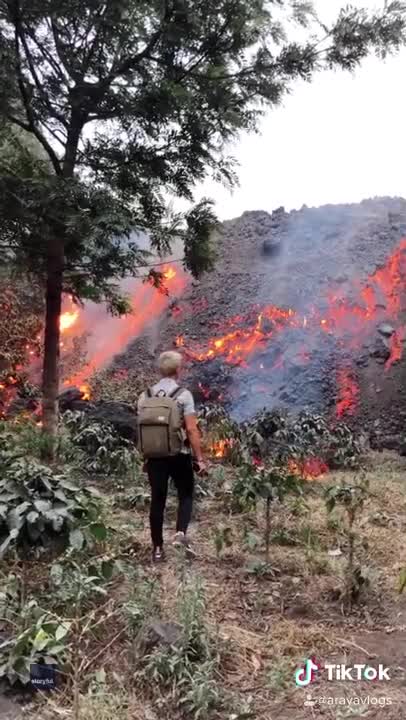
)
(185, 400)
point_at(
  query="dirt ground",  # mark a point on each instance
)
(272, 624)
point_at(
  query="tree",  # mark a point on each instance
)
(134, 101)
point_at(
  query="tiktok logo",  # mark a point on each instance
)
(305, 675)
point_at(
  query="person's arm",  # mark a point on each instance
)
(192, 430)
(193, 435)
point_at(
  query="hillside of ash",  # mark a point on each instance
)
(303, 261)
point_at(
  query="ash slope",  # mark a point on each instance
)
(310, 251)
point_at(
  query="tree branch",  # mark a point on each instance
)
(37, 81)
(32, 128)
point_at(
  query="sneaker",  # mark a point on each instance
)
(157, 554)
(180, 540)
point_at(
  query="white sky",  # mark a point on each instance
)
(339, 139)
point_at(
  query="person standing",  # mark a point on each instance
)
(167, 437)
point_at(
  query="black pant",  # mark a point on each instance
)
(180, 469)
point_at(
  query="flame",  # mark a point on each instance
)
(148, 303)
(170, 273)
(180, 341)
(68, 319)
(85, 390)
(220, 448)
(309, 469)
(396, 347)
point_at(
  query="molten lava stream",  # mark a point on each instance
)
(396, 347)
(347, 394)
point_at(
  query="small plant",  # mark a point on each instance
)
(267, 482)
(279, 676)
(71, 582)
(351, 500)
(283, 537)
(222, 538)
(260, 569)
(251, 540)
(142, 604)
(187, 671)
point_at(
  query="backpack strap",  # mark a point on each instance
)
(149, 392)
(175, 393)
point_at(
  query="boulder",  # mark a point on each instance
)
(270, 247)
(122, 416)
(386, 330)
(380, 350)
(119, 414)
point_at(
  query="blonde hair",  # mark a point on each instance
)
(169, 363)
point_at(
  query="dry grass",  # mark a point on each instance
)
(105, 706)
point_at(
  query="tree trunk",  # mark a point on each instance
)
(50, 377)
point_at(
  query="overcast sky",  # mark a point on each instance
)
(339, 139)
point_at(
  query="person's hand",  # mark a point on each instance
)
(201, 467)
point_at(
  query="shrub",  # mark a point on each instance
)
(36, 504)
(105, 452)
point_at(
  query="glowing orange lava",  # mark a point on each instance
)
(308, 469)
(348, 393)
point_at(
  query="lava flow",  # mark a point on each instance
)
(350, 322)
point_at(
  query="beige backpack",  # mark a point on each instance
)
(160, 425)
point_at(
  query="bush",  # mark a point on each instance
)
(36, 504)
(301, 437)
(105, 452)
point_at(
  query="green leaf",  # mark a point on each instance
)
(99, 531)
(100, 676)
(56, 574)
(42, 506)
(76, 539)
(62, 630)
(60, 495)
(41, 640)
(32, 516)
(107, 569)
(69, 486)
(6, 544)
